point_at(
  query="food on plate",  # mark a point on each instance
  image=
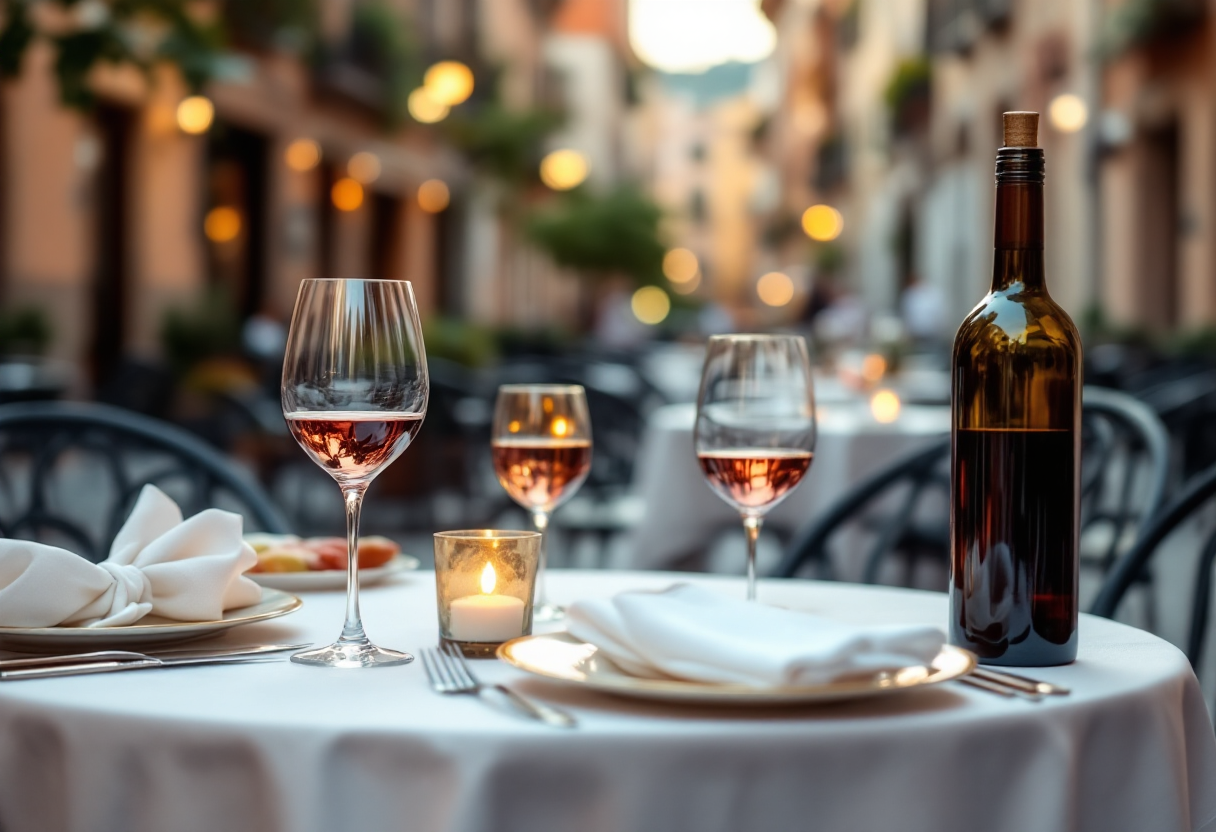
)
(288, 558)
(287, 553)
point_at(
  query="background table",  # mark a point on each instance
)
(270, 747)
(681, 515)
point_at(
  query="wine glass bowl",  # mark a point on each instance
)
(541, 448)
(755, 429)
(355, 389)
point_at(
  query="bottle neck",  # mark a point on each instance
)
(1018, 237)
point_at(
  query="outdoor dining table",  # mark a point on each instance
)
(681, 515)
(279, 746)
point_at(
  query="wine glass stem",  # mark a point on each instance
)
(541, 521)
(751, 527)
(352, 630)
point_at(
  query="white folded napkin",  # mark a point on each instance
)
(187, 571)
(691, 633)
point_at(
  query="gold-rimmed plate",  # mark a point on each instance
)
(564, 658)
(149, 631)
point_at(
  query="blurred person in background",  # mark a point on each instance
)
(923, 309)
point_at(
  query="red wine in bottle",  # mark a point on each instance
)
(1015, 461)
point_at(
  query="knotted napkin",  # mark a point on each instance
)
(158, 564)
(691, 633)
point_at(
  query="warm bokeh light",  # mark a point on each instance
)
(562, 170)
(650, 305)
(559, 427)
(488, 578)
(822, 223)
(1068, 113)
(775, 289)
(679, 36)
(424, 108)
(449, 82)
(688, 286)
(434, 196)
(195, 114)
(222, 224)
(680, 265)
(364, 167)
(885, 406)
(302, 155)
(347, 194)
(873, 368)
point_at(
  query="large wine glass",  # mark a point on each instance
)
(355, 389)
(542, 453)
(755, 429)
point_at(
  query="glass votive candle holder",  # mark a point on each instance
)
(484, 581)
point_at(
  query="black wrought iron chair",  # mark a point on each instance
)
(904, 507)
(70, 473)
(1195, 497)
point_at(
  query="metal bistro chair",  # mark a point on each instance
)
(1124, 479)
(1194, 499)
(70, 473)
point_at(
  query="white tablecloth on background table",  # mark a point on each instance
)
(681, 514)
(274, 747)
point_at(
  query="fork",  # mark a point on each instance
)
(449, 673)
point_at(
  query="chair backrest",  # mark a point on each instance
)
(70, 473)
(916, 474)
(1124, 481)
(1125, 468)
(1194, 497)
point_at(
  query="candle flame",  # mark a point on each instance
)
(560, 427)
(488, 578)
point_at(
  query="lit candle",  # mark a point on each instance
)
(486, 617)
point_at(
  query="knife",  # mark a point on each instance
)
(41, 667)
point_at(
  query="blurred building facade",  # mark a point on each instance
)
(109, 216)
(890, 111)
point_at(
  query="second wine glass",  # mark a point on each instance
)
(755, 430)
(542, 453)
(355, 388)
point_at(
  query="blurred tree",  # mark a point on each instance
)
(600, 235)
(86, 33)
(206, 329)
(907, 94)
(506, 144)
(24, 331)
(382, 42)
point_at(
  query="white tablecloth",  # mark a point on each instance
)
(270, 747)
(681, 514)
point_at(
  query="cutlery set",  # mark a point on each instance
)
(1010, 685)
(105, 661)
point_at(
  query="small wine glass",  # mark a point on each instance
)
(755, 432)
(542, 453)
(355, 389)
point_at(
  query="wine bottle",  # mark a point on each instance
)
(1015, 457)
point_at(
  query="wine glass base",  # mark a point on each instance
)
(348, 654)
(548, 612)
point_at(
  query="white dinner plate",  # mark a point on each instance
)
(333, 578)
(148, 631)
(562, 657)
